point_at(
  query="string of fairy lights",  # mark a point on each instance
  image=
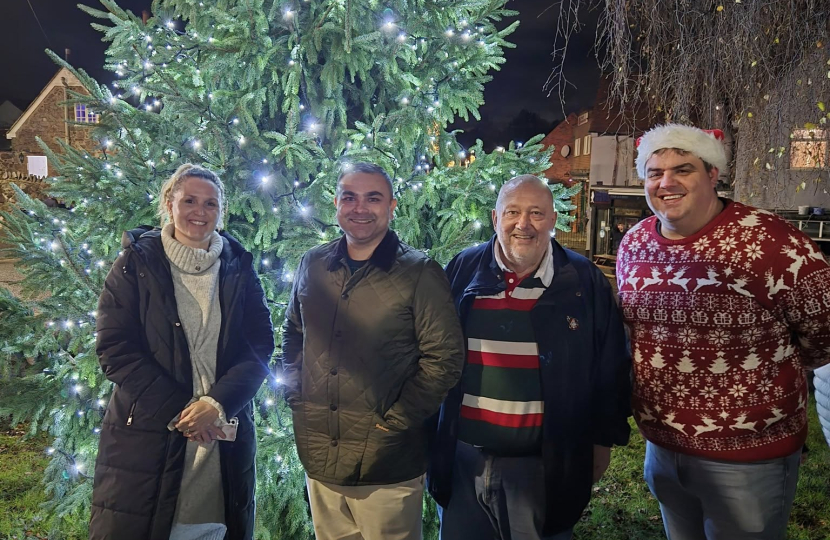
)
(181, 47)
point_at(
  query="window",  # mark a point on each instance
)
(808, 149)
(576, 147)
(583, 119)
(85, 115)
(586, 145)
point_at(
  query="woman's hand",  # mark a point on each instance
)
(197, 417)
(205, 436)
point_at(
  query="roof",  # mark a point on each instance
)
(57, 80)
(9, 113)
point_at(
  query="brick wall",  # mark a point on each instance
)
(582, 162)
(561, 135)
(9, 162)
(48, 123)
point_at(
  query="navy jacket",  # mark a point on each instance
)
(585, 371)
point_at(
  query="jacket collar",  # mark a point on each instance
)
(545, 271)
(148, 239)
(489, 274)
(383, 257)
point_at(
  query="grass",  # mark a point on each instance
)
(622, 507)
(22, 462)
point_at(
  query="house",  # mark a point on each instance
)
(560, 172)
(596, 146)
(47, 119)
(561, 138)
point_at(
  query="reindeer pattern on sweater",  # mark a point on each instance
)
(722, 325)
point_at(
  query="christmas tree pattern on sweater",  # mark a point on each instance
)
(722, 325)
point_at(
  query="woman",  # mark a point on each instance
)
(184, 333)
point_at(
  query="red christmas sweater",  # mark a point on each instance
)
(722, 325)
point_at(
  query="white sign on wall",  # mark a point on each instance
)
(38, 166)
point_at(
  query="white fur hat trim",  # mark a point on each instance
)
(707, 145)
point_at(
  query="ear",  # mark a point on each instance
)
(335, 201)
(170, 209)
(494, 218)
(392, 206)
(713, 177)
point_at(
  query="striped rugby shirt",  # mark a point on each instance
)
(502, 408)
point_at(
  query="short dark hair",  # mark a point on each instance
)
(366, 168)
(706, 165)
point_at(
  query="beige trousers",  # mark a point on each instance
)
(385, 512)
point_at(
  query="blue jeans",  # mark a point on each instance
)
(496, 498)
(722, 500)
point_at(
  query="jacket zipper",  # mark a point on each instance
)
(130, 418)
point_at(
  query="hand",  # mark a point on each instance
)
(196, 417)
(602, 458)
(205, 436)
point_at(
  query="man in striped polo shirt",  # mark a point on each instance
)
(545, 390)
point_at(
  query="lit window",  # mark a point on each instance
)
(85, 115)
(577, 147)
(583, 119)
(808, 149)
(586, 145)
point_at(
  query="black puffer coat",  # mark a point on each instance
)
(142, 348)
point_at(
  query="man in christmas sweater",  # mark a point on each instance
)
(727, 305)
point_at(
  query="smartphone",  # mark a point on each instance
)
(229, 430)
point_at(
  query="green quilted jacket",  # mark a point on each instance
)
(367, 358)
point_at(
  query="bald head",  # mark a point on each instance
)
(524, 219)
(524, 181)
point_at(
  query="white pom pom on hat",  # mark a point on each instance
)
(705, 144)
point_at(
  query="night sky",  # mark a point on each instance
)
(26, 68)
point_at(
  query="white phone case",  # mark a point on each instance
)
(230, 430)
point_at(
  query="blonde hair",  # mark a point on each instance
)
(174, 184)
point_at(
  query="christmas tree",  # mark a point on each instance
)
(686, 365)
(276, 97)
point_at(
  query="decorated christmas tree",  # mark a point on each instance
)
(276, 97)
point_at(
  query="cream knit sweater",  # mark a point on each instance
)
(200, 508)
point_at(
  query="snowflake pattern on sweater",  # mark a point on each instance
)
(722, 325)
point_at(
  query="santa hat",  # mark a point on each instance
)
(705, 144)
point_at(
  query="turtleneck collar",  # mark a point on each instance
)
(187, 259)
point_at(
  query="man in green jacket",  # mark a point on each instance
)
(371, 346)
